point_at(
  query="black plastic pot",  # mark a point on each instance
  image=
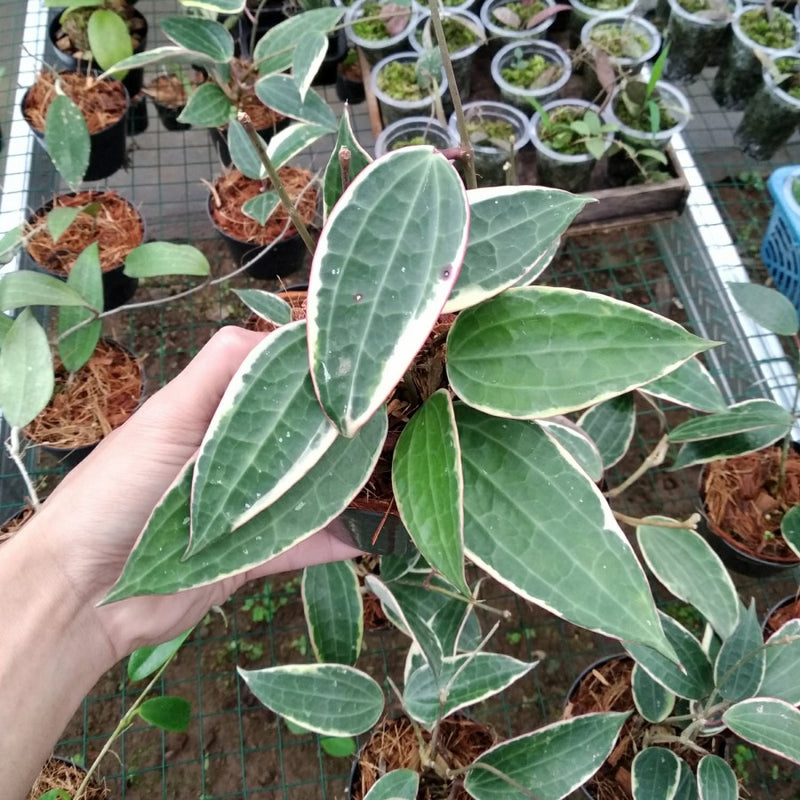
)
(337, 50)
(118, 288)
(133, 81)
(372, 532)
(219, 136)
(70, 457)
(789, 600)
(169, 117)
(108, 150)
(265, 262)
(268, 17)
(349, 91)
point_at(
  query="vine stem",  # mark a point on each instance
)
(258, 143)
(690, 523)
(15, 453)
(656, 457)
(122, 726)
(466, 147)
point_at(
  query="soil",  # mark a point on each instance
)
(87, 405)
(117, 227)
(744, 507)
(167, 90)
(60, 774)
(790, 609)
(394, 745)
(233, 189)
(102, 102)
(607, 687)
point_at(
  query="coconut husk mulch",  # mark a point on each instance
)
(59, 774)
(117, 227)
(394, 745)
(743, 507)
(89, 404)
(232, 189)
(167, 90)
(102, 102)
(607, 687)
(781, 615)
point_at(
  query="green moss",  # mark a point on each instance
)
(620, 40)
(606, 5)
(491, 133)
(531, 73)
(372, 29)
(398, 79)
(780, 33)
(456, 34)
(789, 80)
(523, 11)
(408, 142)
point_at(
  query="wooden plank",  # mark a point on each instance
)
(375, 121)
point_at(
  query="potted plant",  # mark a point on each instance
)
(405, 86)
(627, 41)
(169, 91)
(773, 112)
(414, 130)
(528, 71)
(733, 681)
(584, 10)
(378, 28)
(60, 779)
(513, 20)
(698, 32)
(496, 132)
(97, 108)
(739, 74)
(748, 485)
(569, 136)
(464, 34)
(349, 80)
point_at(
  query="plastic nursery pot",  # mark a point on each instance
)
(784, 610)
(499, 33)
(569, 171)
(107, 142)
(74, 60)
(117, 228)
(584, 10)
(414, 130)
(350, 82)
(337, 49)
(89, 404)
(463, 24)
(498, 132)
(258, 245)
(376, 49)
(696, 39)
(739, 75)
(60, 773)
(628, 41)
(512, 65)
(169, 97)
(732, 489)
(393, 79)
(773, 113)
(674, 117)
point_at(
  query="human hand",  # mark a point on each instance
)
(105, 502)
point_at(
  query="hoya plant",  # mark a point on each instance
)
(448, 670)
(731, 679)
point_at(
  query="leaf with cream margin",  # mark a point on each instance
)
(534, 521)
(511, 232)
(156, 564)
(538, 351)
(384, 266)
(267, 432)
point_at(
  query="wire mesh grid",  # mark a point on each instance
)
(235, 748)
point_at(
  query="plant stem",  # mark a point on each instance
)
(690, 523)
(258, 143)
(14, 452)
(122, 726)
(467, 156)
(656, 457)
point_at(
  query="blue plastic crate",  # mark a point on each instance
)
(780, 248)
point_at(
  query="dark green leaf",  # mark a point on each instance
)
(739, 668)
(261, 206)
(169, 713)
(338, 746)
(86, 278)
(66, 138)
(656, 772)
(147, 660)
(109, 39)
(766, 306)
(268, 306)
(201, 36)
(154, 259)
(207, 107)
(28, 288)
(358, 159)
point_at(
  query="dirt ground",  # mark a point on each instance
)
(235, 747)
